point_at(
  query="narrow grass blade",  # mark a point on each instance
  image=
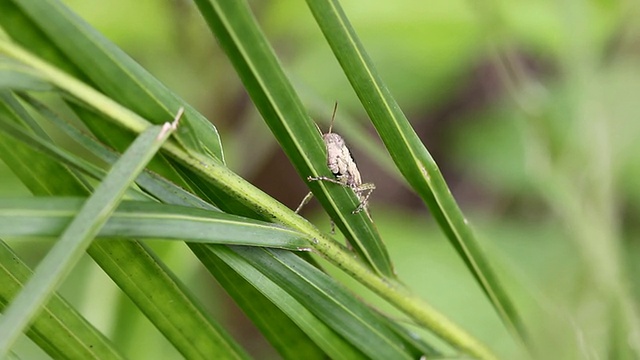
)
(15, 111)
(156, 185)
(103, 109)
(78, 235)
(254, 60)
(64, 39)
(32, 167)
(215, 173)
(331, 342)
(327, 300)
(167, 302)
(48, 216)
(268, 317)
(16, 76)
(132, 266)
(62, 332)
(35, 142)
(290, 327)
(410, 155)
(107, 106)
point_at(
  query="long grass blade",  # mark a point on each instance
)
(78, 235)
(62, 38)
(62, 332)
(48, 216)
(410, 155)
(239, 191)
(273, 95)
(132, 266)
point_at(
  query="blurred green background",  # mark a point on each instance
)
(529, 107)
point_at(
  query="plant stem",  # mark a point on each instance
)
(216, 173)
(389, 289)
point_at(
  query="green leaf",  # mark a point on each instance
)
(62, 332)
(327, 300)
(317, 304)
(166, 301)
(131, 265)
(45, 146)
(30, 166)
(156, 185)
(254, 60)
(16, 76)
(78, 235)
(269, 315)
(48, 216)
(64, 39)
(410, 155)
(243, 196)
(284, 324)
(104, 108)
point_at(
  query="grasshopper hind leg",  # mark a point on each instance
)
(365, 189)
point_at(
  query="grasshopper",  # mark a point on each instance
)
(343, 166)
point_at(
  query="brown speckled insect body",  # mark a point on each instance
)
(343, 167)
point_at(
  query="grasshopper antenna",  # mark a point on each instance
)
(333, 117)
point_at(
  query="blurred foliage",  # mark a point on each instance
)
(515, 98)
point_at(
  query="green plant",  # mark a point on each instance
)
(258, 250)
(190, 160)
